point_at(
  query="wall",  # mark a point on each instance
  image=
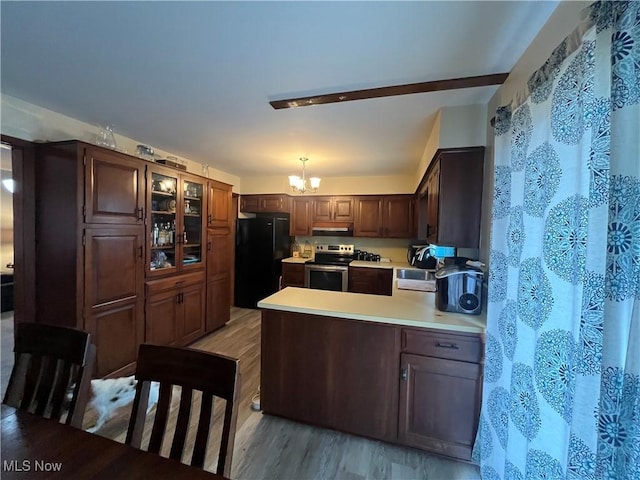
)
(561, 23)
(30, 122)
(6, 221)
(463, 126)
(393, 248)
(334, 185)
(433, 143)
(454, 127)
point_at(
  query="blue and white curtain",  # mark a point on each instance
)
(561, 395)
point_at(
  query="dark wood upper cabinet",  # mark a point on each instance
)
(398, 216)
(250, 203)
(368, 217)
(451, 194)
(332, 209)
(267, 203)
(300, 216)
(219, 205)
(390, 216)
(432, 195)
(114, 187)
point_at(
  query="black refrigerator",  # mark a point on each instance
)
(261, 244)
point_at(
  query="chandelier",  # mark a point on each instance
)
(299, 184)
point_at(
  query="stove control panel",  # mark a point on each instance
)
(336, 249)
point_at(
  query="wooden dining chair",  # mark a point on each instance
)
(52, 372)
(211, 374)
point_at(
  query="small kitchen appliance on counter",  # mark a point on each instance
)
(459, 289)
(422, 258)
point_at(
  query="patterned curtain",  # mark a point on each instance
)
(561, 396)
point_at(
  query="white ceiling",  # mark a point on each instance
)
(195, 78)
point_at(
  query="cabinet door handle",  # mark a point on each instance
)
(209, 219)
(140, 212)
(181, 297)
(447, 345)
(403, 374)
(209, 246)
(140, 252)
(178, 298)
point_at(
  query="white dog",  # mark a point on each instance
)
(109, 394)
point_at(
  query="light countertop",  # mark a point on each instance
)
(361, 263)
(296, 260)
(404, 307)
(355, 263)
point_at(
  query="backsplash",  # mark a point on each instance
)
(393, 248)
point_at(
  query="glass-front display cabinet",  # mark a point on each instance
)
(192, 221)
(176, 221)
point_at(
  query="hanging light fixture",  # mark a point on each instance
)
(299, 184)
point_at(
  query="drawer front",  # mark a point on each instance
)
(156, 286)
(443, 345)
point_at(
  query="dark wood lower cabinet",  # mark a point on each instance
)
(374, 380)
(175, 309)
(162, 313)
(377, 281)
(218, 302)
(292, 274)
(330, 372)
(219, 253)
(193, 301)
(117, 330)
(439, 405)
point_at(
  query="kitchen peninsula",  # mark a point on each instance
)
(392, 368)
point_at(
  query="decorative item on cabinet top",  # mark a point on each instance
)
(172, 162)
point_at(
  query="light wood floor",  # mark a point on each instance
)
(273, 448)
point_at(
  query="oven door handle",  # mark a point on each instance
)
(327, 268)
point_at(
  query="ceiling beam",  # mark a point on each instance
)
(421, 87)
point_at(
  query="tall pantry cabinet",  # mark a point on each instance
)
(219, 253)
(90, 247)
(121, 251)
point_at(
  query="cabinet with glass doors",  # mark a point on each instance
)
(176, 223)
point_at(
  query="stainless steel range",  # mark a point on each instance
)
(329, 269)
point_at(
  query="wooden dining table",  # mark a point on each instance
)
(39, 448)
